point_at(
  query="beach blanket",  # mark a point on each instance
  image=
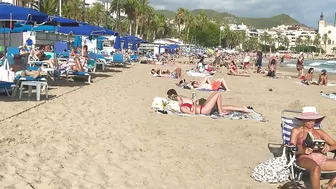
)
(328, 85)
(165, 106)
(208, 90)
(197, 74)
(331, 95)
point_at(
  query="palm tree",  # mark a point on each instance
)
(49, 6)
(278, 39)
(286, 42)
(308, 40)
(325, 39)
(95, 15)
(298, 42)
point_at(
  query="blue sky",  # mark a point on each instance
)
(305, 11)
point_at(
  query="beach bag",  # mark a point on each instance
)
(274, 170)
(5, 73)
(159, 103)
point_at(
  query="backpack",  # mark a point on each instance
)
(274, 170)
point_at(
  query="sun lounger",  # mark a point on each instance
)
(118, 59)
(70, 73)
(134, 58)
(287, 124)
(7, 86)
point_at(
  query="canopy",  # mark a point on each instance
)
(85, 30)
(125, 44)
(60, 21)
(117, 44)
(10, 12)
(132, 38)
(24, 28)
(134, 46)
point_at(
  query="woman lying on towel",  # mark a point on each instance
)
(175, 74)
(192, 106)
(312, 156)
(233, 70)
(208, 85)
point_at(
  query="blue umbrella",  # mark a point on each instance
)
(134, 46)
(10, 12)
(117, 43)
(78, 41)
(85, 30)
(24, 28)
(125, 44)
(100, 45)
(98, 28)
(60, 21)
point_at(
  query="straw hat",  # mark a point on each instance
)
(20, 47)
(310, 113)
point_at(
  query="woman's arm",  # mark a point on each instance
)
(326, 79)
(194, 107)
(330, 141)
(293, 141)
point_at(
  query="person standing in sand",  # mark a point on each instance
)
(300, 65)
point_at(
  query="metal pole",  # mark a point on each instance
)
(118, 15)
(83, 11)
(107, 12)
(220, 37)
(60, 8)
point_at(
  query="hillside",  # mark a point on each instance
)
(225, 17)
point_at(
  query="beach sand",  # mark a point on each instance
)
(105, 135)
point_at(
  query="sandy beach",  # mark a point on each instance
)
(105, 135)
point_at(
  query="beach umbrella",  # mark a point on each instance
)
(125, 44)
(9, 12)
(117, 43)
(60, 21)
(78, 41)
(84, 30)
(134, 46)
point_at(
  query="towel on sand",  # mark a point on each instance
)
(329, 84)
(331, 95)
(197, 74)
(165, 106)
(209, 90)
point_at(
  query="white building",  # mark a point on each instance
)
(330, 30)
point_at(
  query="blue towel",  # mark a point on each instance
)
(4, 84)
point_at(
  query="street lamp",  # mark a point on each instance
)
(220, 34)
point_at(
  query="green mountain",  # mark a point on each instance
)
(228, 18)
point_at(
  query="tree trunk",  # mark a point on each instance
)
(130, 28)
(154, 35)
(136, 26)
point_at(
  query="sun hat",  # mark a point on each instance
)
(310, 113)
(20, 47)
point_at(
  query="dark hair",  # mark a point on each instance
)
(192, 83)
(201, 101)
(324, 71)
(171, 92)
(310, 70)
(273, 61)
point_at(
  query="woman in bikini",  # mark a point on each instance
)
(175, 74)
(192, 106)
(308, 77)
(207, 84)
(323, 78)
(313, 161)
(300, 64)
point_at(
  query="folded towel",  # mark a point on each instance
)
(197, 74)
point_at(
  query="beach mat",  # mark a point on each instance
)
(209, 90)
(197, 74)
(232, 115)
(328, 85)
(331, 95)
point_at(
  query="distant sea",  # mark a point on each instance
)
(318, 65)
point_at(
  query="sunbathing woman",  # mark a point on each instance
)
(233, 70)
(189, 106)
(175, 74)
(313, 161)
(308, 77)
(207, 84)
(323, 78)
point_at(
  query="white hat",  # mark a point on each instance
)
(20, 46)
(310, 113)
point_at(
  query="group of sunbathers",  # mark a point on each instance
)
(308, 78)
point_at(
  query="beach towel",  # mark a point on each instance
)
(209, 90)
(331, 95)
(328, 85)
(165, 106)
(197, 74)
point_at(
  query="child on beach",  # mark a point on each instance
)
(323, 78)
(300, 65)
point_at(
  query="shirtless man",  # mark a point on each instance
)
(207, 84)
(300, 65)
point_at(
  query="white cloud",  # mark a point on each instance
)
(307, 11)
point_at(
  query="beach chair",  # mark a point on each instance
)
(118, 59)
(134, 58)
(288, 122)
(7, 86)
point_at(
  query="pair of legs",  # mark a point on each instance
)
(323, 80)
(300, 70)
(78, 66)
(221, 80)
(34, 74)
(215, 100)
(315, 171)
